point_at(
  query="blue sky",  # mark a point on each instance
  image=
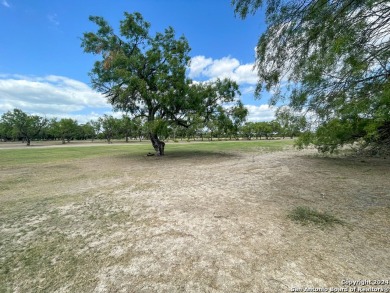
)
(43, 69)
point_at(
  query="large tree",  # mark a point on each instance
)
(330, 59)
(145, 75)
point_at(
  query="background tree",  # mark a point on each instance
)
(274, 128)
(145, 76)
(192, 131)
(248, 130)
(2, 131)
(5, 131)
(4, 135)
(334, 57)
(111, 126)
(238, 117)
(51, 129)
(23, 125)
(291, 123)
(96, 127)
(221, 123)
(259, 129)
(228, 121)
(212, 129)
(87, 131)
(127, 127)
(64, 129)
(263, 129)
(140, 130)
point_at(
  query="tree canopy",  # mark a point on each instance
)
(145, 75)
(329, 59)
(17, 123)
(66, 128)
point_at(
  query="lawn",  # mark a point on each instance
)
(207, 217)
(46, 153)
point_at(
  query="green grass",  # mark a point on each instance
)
(38, 155)
(306, 215)
(48, 155)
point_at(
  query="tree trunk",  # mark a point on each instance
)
(28, 141)
(158, 145)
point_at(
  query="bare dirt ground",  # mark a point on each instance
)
(215, 223)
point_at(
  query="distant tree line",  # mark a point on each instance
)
(17, 125)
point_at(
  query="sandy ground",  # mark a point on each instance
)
(219, 223)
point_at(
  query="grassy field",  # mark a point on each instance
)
(207, 217)
(46, 153)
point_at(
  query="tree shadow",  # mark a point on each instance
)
(182, 154)
(198, 154)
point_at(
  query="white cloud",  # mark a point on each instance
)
(248, 90)
(260, 113)
(50, 95)
(198, 63)
(226, 67)
(5, 3)
(53, 19)
(246, 74)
